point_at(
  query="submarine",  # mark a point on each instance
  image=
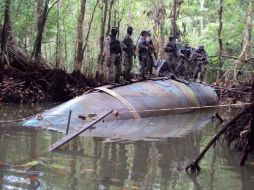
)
(141, 99)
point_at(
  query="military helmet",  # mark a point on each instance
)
(201, 47)
(115, 28)
(129, 27)
(186, 44)
(171, 38)
(143, 33)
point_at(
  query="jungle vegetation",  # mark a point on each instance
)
(69, 34)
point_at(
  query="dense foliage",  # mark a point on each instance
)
(197, 21)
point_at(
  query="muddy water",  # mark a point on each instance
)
(102, 163)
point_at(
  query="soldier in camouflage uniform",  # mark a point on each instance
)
(171, 54)
(184, 62)
(128, 50)
(112, 56)
(201, 59)
(143, 54)
(151, 53)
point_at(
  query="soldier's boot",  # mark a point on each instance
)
(195, 76)
(201, 77)
(117, 78)
(128, 78)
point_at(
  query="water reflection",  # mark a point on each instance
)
(98, 163)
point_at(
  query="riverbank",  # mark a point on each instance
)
(42, 86)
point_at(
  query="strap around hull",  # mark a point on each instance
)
(122, 100)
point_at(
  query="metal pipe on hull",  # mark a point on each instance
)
(137, 100)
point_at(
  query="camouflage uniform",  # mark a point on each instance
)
(128, 54)
(184, 62)
(201, 59)
(171, 55)
(143, 56)
(112, 59)
(150, 58)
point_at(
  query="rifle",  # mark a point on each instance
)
(134, 52)
(184, 56)
(198, 56)
(153, 48)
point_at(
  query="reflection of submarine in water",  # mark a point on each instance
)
(154, 128)
(134, 101)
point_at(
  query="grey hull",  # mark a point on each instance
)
(137, 100)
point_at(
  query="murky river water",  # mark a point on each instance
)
(92, 163)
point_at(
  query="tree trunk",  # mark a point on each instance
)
(174, 18)
(5, 35)
(65, 60)
(118, 24)
(79, 55)
(6, 30)
(39, 13)
(247, 33)
(41, 20)
(246, 38)
(103, 24)
(89, 27)
(58, 37)
(115, 14)
(162, 13)
(111, 3)
(220, 12)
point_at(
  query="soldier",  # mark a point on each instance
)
(128, 50)
(143, 53)
(184, 61)
(112, 56)
(151, 52)
(201, 59)
(171, 54)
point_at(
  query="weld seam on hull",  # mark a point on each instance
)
(122, 100)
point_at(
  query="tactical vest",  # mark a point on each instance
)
(172, 47)
(186, 51)
(201, 54)
(142, 49)
(129, 44)
(115, 46)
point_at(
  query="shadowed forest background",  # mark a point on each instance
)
(197, 22)
(69, 35)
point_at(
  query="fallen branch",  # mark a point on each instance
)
(237, 58)
(250, 143)
(194, 166)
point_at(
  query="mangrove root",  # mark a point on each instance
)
(194, 166)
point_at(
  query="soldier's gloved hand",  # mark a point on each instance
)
(135, 56)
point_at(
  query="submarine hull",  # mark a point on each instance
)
(144, 99)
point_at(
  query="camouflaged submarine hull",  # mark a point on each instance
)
(137, 100)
